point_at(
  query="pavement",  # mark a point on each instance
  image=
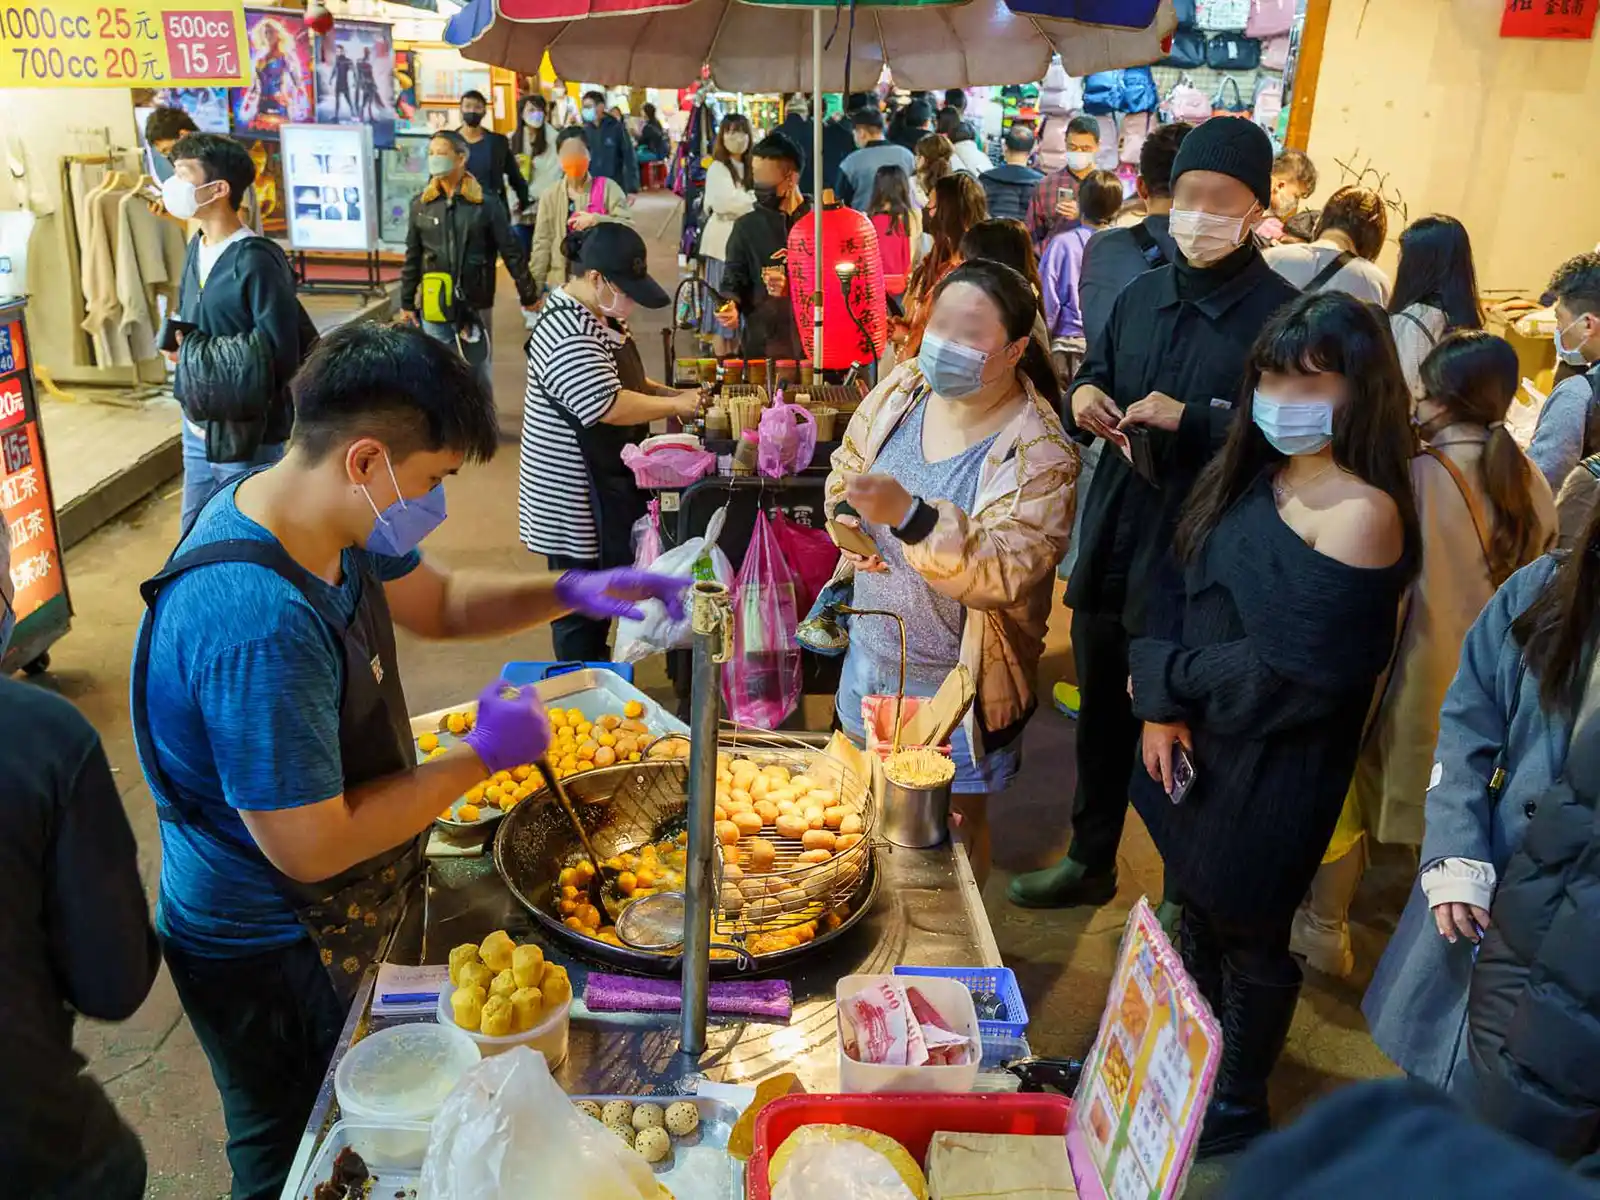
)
(153, 1067)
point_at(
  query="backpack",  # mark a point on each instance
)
(1268, 103)
(1136, 127)
(1139, 90)
(1149, 248)
(1102, 92)
(1185, 102)
(1275, 53)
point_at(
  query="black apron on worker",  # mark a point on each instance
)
(616, 499)
(351, 917)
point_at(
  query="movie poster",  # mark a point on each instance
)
(208, 106)
(405, 85)
(355, 79)
(280, 66)
(269, 187)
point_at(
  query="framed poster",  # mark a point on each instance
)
(329, 175)
(405, 85)
(442, 75)
(280, 69)
(403, 173)
(270, 200)
(355, 79)
(207, 105)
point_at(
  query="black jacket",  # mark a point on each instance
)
(1533, 1013)
(653, 137)
(611, 153)
(801, 132)
(838, 144)
(234, 368)
(760, 239)
(493, 164)
(1009, 190)
(77, 938)
(1186, 333)
(461, 234)
(1111, 258)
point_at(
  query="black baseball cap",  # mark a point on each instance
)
(617, 252)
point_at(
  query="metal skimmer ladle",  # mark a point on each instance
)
(655, 924)
(603, 876)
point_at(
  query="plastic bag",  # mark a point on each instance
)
(697, 558)
(762, 683)
(786, 440)
(508, 1132)
(810, 553)
(646, 536)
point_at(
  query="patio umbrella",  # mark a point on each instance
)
(762, 45)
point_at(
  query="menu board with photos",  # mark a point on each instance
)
(1145, 1086)
(328, 173)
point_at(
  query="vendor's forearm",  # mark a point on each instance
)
(481, 606)
(636, 408)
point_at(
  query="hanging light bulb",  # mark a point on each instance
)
(318, 19)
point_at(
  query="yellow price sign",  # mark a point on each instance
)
(77, 43)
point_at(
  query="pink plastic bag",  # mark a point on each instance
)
(786, 440)
(762, 683)
(668, 466)
(647, 536)
(810, 553)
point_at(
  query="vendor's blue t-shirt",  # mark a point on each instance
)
(244, 689)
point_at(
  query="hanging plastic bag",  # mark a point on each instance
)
(646, 536)
(810, 553)
(698, 558)
(508, 1132)
(762, 683)
(786, 440)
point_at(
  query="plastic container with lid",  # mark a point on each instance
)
(953, 1002)
(402, 1073)
(548, 1037)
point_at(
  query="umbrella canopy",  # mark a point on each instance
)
(758, 48)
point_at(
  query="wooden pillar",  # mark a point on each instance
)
(1308, 66)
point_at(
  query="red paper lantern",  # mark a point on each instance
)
(855, 321)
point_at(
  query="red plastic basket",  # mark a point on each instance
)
(910, 1120)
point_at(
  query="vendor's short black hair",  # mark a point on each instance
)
(474, 94)
(396, 384)
(1083, 123)
(1019, 139)
(867, 118)
(779, 146)
(168, 125)
(220, 157)
(860, 100)
(1576, 283)
(568, 134)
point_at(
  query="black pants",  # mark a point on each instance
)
(1108, 736)
(268, 1024)
(117, 1173)
(579, 638)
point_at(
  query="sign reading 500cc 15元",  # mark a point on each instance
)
(79, 43)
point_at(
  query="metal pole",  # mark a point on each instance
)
(819, 271)
(712, 622)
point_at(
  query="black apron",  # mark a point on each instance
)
(615, 498)
(351, 917)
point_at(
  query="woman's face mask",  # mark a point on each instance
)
(1293, 426)
(737, 143)
(953, 370)
(1204, 237)
(619, 306)
(533, 117)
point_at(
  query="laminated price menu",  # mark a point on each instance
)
(1145, 1086)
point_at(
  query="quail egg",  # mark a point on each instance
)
(589, 1108)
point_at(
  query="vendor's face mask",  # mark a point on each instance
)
(1573, 357)
(1298, 427)
(440, 165)
(400, 528)
(1079, 160)
(620, 307)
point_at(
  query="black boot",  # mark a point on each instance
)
(1255, 1024)
(1202, 956)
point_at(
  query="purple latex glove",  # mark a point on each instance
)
(616, 593)
(511, 728)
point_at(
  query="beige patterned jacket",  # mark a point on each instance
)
(999, 561)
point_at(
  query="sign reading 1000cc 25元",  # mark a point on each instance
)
(79, 43)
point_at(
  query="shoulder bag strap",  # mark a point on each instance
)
(1479, 521)
(1328, 271)
(597, 194)
(1420, 324)
(1154, 256)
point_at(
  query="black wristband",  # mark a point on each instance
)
(919, 524)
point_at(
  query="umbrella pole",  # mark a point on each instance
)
(817, 114)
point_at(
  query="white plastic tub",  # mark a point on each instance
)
(954, 1004)
(393, 1154)
(549, 1037)
(402, 1073)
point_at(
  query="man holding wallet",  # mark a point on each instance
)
(1159, 386)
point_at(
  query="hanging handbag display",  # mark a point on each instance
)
(1185, 102)
(1268, 103)
(1139, 90)
(1136, 129)
(1230, 52)
(1275, 53)
(1222, 16)
(1102, 92)
(1188, 49)
(1270, 18)
(1222, 106)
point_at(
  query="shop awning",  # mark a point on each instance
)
(753, 46)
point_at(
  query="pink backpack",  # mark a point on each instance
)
(1275, 53)
(1185, 102)
(1269, 104)
(1136, 127)
(1270, 18)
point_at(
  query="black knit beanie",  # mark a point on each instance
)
(1230, 146)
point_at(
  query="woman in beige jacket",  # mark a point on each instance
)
(570, 206)
(957, 467)
(1485, 512)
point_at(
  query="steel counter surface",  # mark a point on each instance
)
(928, 912)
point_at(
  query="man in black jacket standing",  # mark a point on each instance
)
(489, 156)
(611, 152)
(1167, 368)
(78, 942)
(796, 126)
(756, 273)
(249, 332)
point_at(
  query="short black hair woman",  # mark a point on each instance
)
(969, 527)
(1254, 676)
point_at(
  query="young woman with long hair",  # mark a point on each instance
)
(535, 145)
(955, 205)
(934, 162)
(963, 477)
(1435, 291)
(1486, 511)
(899, 226)
(1256, 671)
(729, 194)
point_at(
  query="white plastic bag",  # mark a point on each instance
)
(657, 631)
(508, 1132)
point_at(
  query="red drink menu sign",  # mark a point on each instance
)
(24, 486)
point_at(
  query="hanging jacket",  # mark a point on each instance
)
(461, 235)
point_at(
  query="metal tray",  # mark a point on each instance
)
(593, 691)
(699, 1167)
(393, 1153)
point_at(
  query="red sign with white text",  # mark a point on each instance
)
(1549, 18)
(11, 406)
(25, 502)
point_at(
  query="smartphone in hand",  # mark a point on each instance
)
(1182, 773)
(1142, 454)
(848, 537)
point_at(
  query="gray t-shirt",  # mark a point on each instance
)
(859, 171)
(1558, 439)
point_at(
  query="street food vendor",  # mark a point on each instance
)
(272, 727)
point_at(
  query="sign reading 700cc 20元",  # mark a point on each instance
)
(81, 43)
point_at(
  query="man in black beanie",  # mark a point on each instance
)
(1167, 373)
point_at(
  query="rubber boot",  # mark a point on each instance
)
(1066, 885)
(1321, 930)
(1202, 956)
(1256, 1016)
(1169, 913)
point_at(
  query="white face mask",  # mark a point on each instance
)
(737, 143)
(1080, 160)
(179, 197)
(1573, 357)
(1204, 237)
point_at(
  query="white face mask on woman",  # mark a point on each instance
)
(737, 143)
(1206, 238)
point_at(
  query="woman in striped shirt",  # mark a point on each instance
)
(588, 397)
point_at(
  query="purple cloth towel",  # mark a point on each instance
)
(767, 998)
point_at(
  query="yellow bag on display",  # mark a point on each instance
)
(438, 297)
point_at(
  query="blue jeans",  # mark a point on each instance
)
(441, 331)
(202, 478)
